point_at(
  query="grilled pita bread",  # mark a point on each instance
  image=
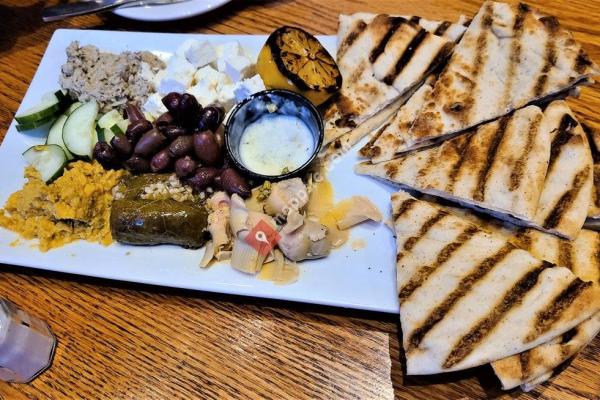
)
(469, 297)
(593, 136)
(531, 167)
(510, 56)
(382, 58)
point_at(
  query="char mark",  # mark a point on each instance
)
(565, 254)
(395, 23)
(444, 255)
(477, 334)
(564, 134)
(442, 28)
(516, 174)
(582, 62)
(406, 56)
(351, 38)
(566, 200)
(524, 359)
(549, 59)
(413, 240)
(462, 289)
(589, 133)
(545, 319)
(404, 207)
(415, 19)
(568, 335)
(479, 193)
(515, 52)
(458, 164)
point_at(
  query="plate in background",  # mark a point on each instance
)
(170, 12)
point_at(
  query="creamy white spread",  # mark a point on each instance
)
(275, 144)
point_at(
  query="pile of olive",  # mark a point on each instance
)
(188, 140)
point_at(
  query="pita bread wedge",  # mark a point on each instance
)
(510, 56)
(593, 136)
(580, 256)
(383, 58)
(531, 167)
(469, 297)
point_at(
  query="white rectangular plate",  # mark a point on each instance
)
(361, 279)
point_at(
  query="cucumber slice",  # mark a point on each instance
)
(55, 135)
(50, 105)
(106, 135)
(109, 119)
(49, 160)
(62, 97)
(27, 126)
(72, 108)
(79, 131)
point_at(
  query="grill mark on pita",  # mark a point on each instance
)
(422, 172)
(439, 59)
(351, 38)
(391, 169)
(442, 28)
(427, 225)
(406, 56)
(582, 62)
(479, 192)
(404, 207)
(597, 257)
(552, 26)
(462, 289)
(517, 173)
(565, 201)
(515, 51)
(568, 335)
(395, 23)
(565, 255)
(545, 319)
(467, 22)
(523, 239)
(524, 359)
(512, 298)
(458, 165)
(444, 255)
(589, 133)
(567, 123)
(415, 19)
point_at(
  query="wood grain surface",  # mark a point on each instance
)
(121, 341)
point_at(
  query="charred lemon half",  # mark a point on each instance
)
(295, 60)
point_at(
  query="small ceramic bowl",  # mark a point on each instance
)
(266, 102)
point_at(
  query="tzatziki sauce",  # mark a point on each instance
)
(275, 144)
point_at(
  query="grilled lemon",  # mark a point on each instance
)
(294, 59)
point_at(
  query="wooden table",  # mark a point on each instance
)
(138, 342)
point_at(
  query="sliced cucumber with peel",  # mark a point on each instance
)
(50, 106)
(55, 135)
(113, 121)
(48, 159)
(72, 108)
(27, 126)
(79, 132)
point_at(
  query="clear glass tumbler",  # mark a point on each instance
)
(26, 344)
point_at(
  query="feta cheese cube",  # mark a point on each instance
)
(178, 76)
(184, 47)
(227, 96)
(236, 67)
(229, 49)
(248, 87)
(204, 93)
(154, 105)
(198, 53)
(215, 78)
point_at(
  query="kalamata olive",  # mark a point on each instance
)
(185, 166)
(136, 129)
(137, 164)
(220, 136)
(210, 118)
(173, 132)
(232, 182)
(164, 120)
(189, 110)
(105, 155)
(202, 178)
(133, 112)
(206, 148)
(161, 161)
(182, 146)
(150, 143)
(122, 145)
(171, 101)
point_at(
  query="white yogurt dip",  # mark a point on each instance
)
(275, 144)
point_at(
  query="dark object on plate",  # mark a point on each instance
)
(211, 118)
(106, 156)
(232, 182)
(185, 166)
(133, 113)
(164, 120)
(203, 178)
(150, 143)
(171, 101)
(151, 222)
(161, 161)
(122, 145)
(136, 129)
(182, 146)
(137, 164)
(189, 110)
(207, 149)
(172, 132)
